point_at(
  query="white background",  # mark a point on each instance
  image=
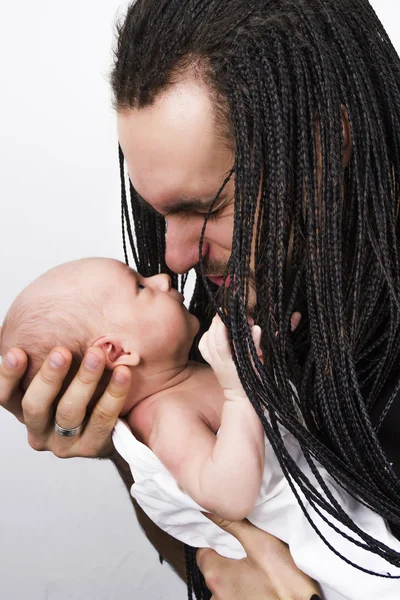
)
(67, 528)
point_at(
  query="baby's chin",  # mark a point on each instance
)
(196, 326)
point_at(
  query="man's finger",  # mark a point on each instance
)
(228, 578)
(203, 556)
(105, 413)
(37, 403)
(255, 541)
(211, 564)
(13, 367)
(72, 408)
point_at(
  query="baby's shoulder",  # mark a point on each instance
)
(145, 420)
(180, 403)
(198, 397)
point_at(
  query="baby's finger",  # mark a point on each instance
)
(38, 400)
(11, 371)
(295, 320)
(256, 335)
(221, 340)
(204, 348)
(71, 409)
(96, 439)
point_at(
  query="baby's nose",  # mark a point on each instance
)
(161, 282)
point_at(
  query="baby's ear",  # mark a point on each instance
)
(115, 352)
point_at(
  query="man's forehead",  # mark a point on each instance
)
(178, 120)
(175, 157)
(173, 175)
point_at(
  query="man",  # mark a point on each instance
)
(277, 122)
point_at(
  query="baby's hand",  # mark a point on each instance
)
(215, 349)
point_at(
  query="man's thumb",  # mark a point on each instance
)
(253, 539)
(208, 559)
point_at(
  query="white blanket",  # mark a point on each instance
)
(277, 512)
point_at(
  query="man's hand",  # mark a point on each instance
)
(267, 573)
(36, 407)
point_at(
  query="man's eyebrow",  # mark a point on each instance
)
(183, 206)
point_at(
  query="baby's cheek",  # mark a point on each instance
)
(169, 330)
(177, 329)
(169, 325)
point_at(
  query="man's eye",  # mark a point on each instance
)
(211, 217)
(140, 286)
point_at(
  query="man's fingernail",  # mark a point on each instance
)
(11, 360)
(92, 361)
(119, 377)
(57, 360)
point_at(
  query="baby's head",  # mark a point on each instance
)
(100, 302)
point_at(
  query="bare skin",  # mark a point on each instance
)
(174, 154)
(268, 571)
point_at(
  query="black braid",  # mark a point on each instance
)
(281, 74)
(125, 212)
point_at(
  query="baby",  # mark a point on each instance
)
(190, 435)
(143, 323)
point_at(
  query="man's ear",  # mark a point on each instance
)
(347, 140)
(115, 352)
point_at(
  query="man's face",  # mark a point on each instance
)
(177, 161)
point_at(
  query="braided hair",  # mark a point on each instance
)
(319, 238)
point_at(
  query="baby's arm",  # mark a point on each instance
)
(221, 473)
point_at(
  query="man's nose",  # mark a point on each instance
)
(182, 246)
(161, 282)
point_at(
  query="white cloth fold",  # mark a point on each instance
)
(276, 511)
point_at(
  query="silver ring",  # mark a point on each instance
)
(68, 432)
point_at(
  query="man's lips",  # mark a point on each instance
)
(219, 280)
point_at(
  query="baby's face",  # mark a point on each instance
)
(154, 320)
(81, 302)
